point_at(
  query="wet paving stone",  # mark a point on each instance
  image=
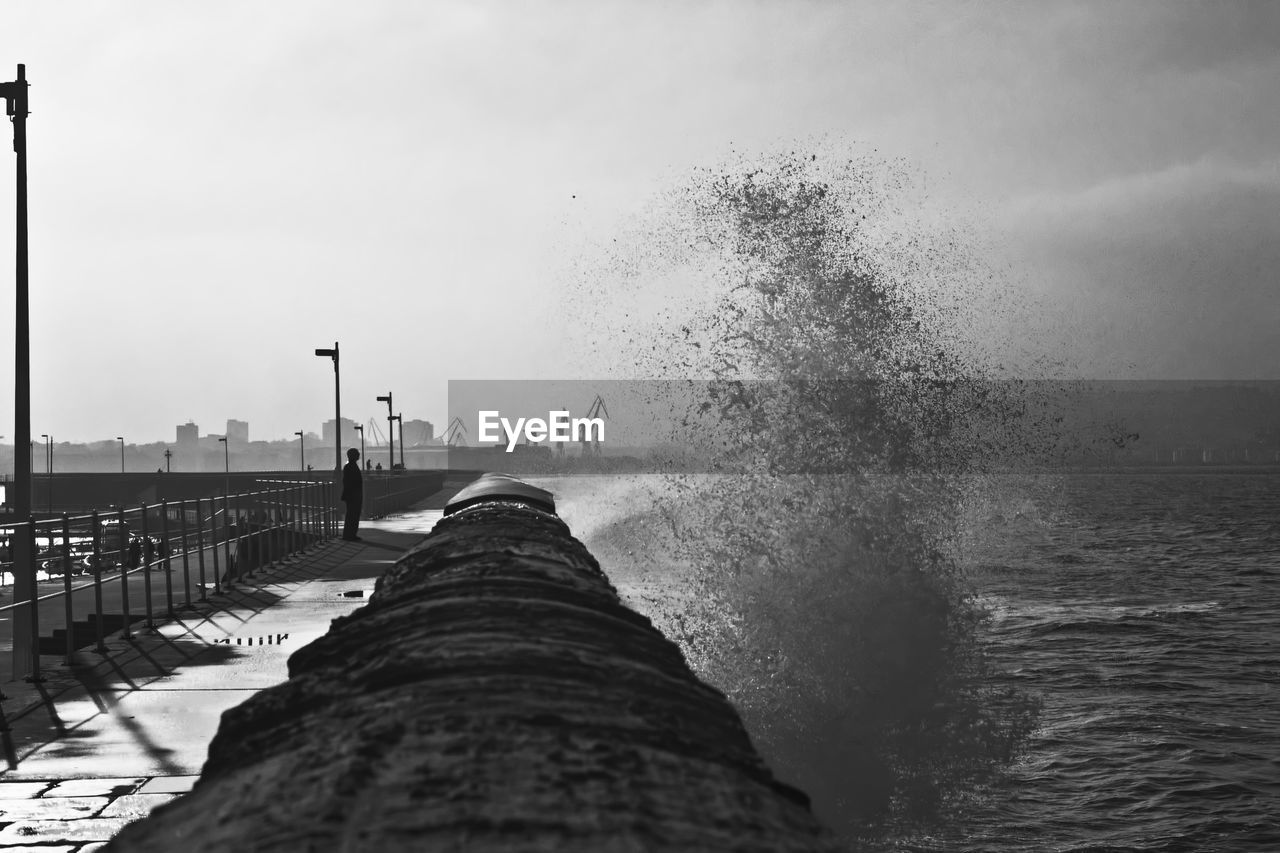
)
(52, 808)
(34, 832)
(134, 806)
(22, 790)
(95, 787)
(168, 785)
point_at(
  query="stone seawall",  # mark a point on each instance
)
(493, 695)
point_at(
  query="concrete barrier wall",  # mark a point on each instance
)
(493, 695)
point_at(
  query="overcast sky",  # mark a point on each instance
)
(219, 188)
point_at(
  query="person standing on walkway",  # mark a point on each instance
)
(352, 495)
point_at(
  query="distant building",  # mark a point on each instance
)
(348, 432)
(188, 447)
(188, 434)
(237, 432)
(417, 433)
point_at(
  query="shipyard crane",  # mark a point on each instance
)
(456, 434)
(595, 410)
(560, 444)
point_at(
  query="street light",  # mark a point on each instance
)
(391, 436)
(167, 456)
(302, 450)
(25, 660)
(360, 429)
(337, 406)
(120, 438)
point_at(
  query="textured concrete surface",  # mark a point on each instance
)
(493, 694)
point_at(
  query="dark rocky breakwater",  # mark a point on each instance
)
(493, 695)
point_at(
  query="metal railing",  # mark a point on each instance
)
(206, 544)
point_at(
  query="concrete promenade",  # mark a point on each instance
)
(103, 741)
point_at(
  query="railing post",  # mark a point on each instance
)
(226, 540)
(186, 561)
(241, 539)
(146, 569)
(282, 537)
(279, 549)
(273, 527)
(286, 509)
(123, 536)
(296, 511)
(168, 558)
(264, 528)
(35, 677)
(200, 549)
(269, 546)
(66, 586)
(252, 538)
(286, 521)
(97, 583)
(213, 545)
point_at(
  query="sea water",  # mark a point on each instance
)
(1144, 610)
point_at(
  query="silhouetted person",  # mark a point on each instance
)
(352, 495)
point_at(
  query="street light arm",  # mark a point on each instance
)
(337, 405)
(14, 93)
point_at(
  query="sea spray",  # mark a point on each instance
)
(846, 407)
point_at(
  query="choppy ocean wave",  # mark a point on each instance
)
(1145, 619)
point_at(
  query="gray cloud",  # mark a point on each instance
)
(1175, 268)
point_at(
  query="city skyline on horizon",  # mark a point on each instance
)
(372, 439)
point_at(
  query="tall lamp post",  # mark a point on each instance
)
(391, 436)
(24, 576)
(120, 438)
(302, 451)
(167, 456)
(360, 429)
(337, 407)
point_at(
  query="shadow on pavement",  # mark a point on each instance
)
(57, 713)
